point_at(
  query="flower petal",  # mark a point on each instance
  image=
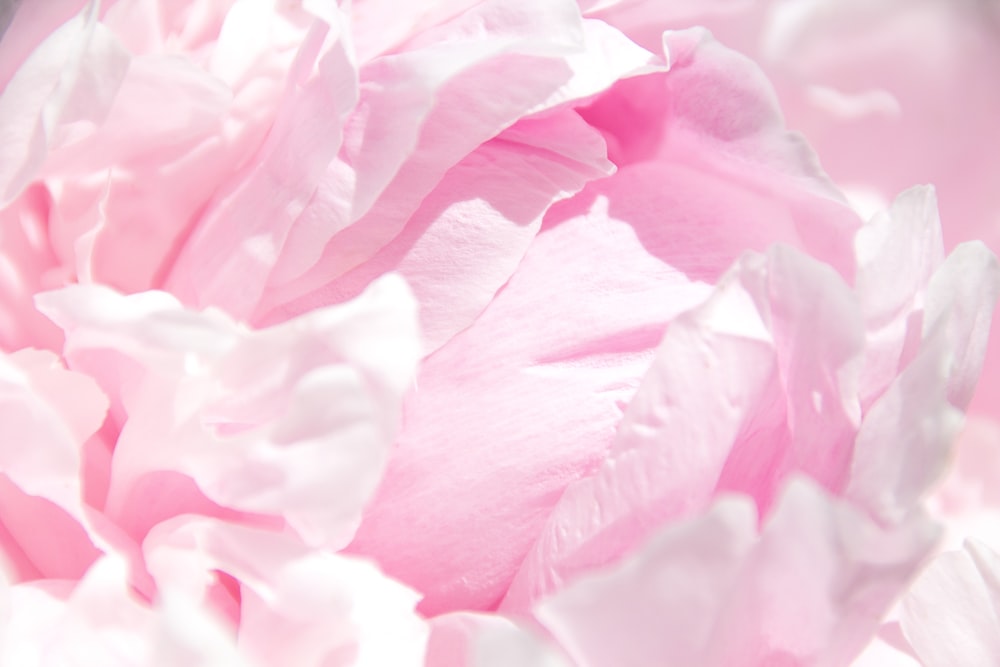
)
(303, 436)
(57, 96)
(296, 606)
(951, 615)
(809, 590)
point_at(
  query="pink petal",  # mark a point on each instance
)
(810, 590)
(968, 502)
(773, 357)
(27, 266)
(303, 437)
(98, 620)
(140, 176)
(905, 439)
(297, 606)
(456, 254)
(961, 298)
(892, 280)
(465, 639)
(894, 93)
(624, 258)
(236, 243)
(423, 110)
(57, 96)
(951, 614)
(47, 415)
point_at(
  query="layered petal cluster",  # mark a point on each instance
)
(466, 332)
(890, 93)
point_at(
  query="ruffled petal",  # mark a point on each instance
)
(403, 138)
(906, 437)
(58, 96)
(457, 252)
(552, 393)
(99, 620)
(296, 606)
(293, 421)
(48, 413)
(773, 356)
(235, 244)
(809, 590)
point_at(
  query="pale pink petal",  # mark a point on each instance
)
(892, 280)
(883, 654)
(302, 436)
(894, 93)
(296, 606)
(230, 254)
(445, 118)
(810, 590)
(158, 26)
(61, 92)
(961, 298)
(381, 25)
(663, 600)
(27, 266)
(47, 415)
(773, 357)
(905, 439)
(951, 615)
(185, 633)
(741, 147)
(456, 253)
(467, 639)
(625, 257)
(30, 23)
(645, 20)
(98, 620)
(134, 183)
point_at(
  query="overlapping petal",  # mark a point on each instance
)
(654, 393)
(668, 222)
(809, 589)
(292, 422)
(295, 605)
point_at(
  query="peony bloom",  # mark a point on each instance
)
(466, 332)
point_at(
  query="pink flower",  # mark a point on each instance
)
(461, 332)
